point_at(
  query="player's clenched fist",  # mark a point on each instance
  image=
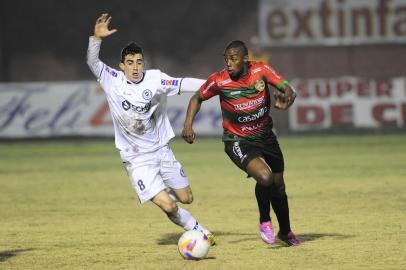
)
(101, 28)
(284, 100)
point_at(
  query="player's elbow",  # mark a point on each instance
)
(196, 98)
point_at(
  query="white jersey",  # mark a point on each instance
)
(138, 110)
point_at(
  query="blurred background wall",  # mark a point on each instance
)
(47, 40)
(357, 45)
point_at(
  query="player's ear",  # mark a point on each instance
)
(245, 59)
(121, 65)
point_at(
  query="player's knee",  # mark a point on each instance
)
(187, 199)
(264, 178)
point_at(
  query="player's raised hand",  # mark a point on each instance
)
(101, 28)
(188, 134)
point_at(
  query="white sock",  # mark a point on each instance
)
(199, 227)
(184, 219)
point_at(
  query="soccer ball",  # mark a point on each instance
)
(193, 245)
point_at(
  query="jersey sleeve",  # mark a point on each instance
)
(190, 85)
(273, 77)
(107, 76)
(104, 74)
(169, 85)
(209, 88)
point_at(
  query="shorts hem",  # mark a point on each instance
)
(144, 200)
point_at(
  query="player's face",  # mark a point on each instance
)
(235, 61)
(133, 67)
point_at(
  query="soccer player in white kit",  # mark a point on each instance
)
(137, 102)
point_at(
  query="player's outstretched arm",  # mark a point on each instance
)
(284, 97)
(188, 133)
(101, 30)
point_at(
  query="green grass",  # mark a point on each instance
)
(70, 206)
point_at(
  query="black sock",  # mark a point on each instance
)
(264, 202)
(281, 209)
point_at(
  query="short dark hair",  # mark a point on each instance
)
(130, 48)
(238, 44)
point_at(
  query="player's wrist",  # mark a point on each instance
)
(187, 125)
(97, 37)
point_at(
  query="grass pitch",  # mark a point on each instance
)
(70, 205)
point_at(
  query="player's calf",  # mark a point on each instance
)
(163, 201)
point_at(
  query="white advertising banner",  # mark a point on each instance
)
(331, 22)
(348, 102)
(29, 110)
(80, 109)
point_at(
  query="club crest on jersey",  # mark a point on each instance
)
(147, 94)
(259, 85)
(170, 82)
(182, 172)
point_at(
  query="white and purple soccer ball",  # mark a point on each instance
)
(193, 245)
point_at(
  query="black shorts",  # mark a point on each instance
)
(242, 152)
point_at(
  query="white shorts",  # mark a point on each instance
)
(150, 173)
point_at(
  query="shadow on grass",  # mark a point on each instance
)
(172, 238)
(7, 254)
(307, 237)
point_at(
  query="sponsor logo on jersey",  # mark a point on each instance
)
(139, 109)
(249, 104)
(147, 94)
(235, 93)
(111, 72)
(259, 85)
(252, 117)
(252, 127)
(170, 82)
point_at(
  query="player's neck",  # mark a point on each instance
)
(137, 81)
(243, 72)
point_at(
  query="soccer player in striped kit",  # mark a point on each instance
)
(244, 88)
(137, 102)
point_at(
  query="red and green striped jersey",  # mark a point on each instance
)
(246, 102)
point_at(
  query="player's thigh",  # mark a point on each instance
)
(241, 153)
(144, 176)
(259, 169)
(172, 172)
